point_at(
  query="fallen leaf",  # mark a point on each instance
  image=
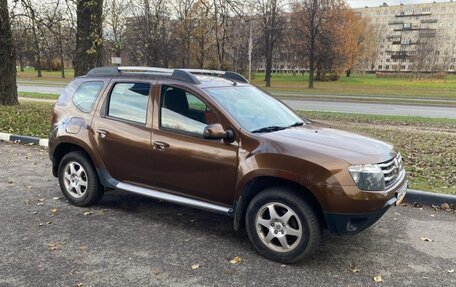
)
(11, 181)
(88, 213)
(378, 278)
(354, 268)
(84, 248)
(445, 206)
(426, 239)
(54, 210)
(54, 246)
(103, 211)
(80, 285)
(56, 198)
(49, 222)
(235, 260)
(29, 187)
(195, 266)
(450, 271)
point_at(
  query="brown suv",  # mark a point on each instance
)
(210, 140)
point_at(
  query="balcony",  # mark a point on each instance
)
(394, 36)
(427, 33)
(413, 14)
(399, 55)
(429, 21)
(395, 22)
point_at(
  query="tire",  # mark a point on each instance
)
(79, 180)
(283, 237)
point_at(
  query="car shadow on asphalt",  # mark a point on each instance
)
(220, 227)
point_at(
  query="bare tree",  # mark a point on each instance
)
(33, 15)
(115, 20)
(8, 87)
(89, 37)
(271, 25)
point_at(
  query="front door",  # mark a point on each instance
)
(185, 162)
(122, 132)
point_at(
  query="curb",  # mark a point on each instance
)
(429, 198)
(24, 139)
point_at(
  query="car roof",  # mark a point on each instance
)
(198, 77)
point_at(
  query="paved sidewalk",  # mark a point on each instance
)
(128, 240)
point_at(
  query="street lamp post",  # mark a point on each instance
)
(250, 49)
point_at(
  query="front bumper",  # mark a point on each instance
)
(353, 223)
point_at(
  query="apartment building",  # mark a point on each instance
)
(415, 37)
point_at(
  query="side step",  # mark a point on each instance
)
(175, 198)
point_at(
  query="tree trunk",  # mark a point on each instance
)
(89, 37)
(348, 72)
(8, 87)
(62, 57)
(311, 69)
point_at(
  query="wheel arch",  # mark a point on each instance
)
(64, 148)
(259, 183)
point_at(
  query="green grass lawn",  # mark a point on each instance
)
(30, 74)
(38, 95)
(30, 118)
(427, 145)
(358, 84)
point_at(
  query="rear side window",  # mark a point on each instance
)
(128, 101)
(86, 95)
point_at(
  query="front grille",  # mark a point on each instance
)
(391, 170)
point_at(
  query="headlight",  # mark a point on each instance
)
(368, 177)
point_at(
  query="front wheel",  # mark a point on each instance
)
(78, 180)
(282, 226)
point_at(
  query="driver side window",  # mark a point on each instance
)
(184, 112)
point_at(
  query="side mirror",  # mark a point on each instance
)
(216, 131)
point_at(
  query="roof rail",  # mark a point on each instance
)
(103, 71)
(186, 75)
(146, 69)
(233, 76)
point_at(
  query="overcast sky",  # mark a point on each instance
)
(376, 3)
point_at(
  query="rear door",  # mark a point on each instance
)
(123, 131)
(185, 162)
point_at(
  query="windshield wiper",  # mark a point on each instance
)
(269, 129)
(296, 124)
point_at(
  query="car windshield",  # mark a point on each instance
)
(254, 110)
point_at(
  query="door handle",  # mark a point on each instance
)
(102, 133)
(160, 145)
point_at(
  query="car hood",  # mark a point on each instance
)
(317, 138)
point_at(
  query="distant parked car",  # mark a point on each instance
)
(210, 140)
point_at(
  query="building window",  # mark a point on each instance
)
(379, 67)
(387, 67)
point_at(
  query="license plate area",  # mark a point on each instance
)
(400, 194)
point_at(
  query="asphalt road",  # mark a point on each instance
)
(373, 108)
(311, 104)
(128, 240)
